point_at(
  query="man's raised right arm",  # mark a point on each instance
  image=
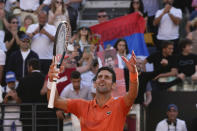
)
(58, 102)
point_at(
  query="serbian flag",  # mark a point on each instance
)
(130, 27)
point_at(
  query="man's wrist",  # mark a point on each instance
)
(133, 76)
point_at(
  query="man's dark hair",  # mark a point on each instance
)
(107, 69)
(10, 18)
(102, 10)
(34, 63)
(75, 75)
(183, 43)
(108, 56)
(126, 46)
(166, 43)
(94, 63)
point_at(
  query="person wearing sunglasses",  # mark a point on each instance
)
(18, 59)
(102, 16)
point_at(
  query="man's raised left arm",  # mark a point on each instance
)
(133, 80)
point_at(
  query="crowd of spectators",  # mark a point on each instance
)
(27, 34)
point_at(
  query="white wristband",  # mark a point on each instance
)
(49, 84)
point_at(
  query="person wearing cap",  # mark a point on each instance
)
(171, 123)
(11, 120)
(18, 59)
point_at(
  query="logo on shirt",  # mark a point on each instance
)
(109, 112)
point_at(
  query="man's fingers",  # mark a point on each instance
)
(125, 59)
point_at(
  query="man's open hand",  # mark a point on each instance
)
(131, 63)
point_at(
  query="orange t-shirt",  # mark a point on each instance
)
(110, 117)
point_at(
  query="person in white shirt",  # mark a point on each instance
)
(43, 36)
(168, 20)
(172, 123)
(88, 76)
(31, 7)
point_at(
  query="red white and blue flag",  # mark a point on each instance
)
(130, 27)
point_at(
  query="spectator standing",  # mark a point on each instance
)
(42, 35)
(168, 20)
(10, 36)
(172, 123)
(28, 90)
(18, 59)
(12, 113)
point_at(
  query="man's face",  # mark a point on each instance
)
(168, 50)
(104, 82)
(172, 114)
(121, 46)
(42, 17)
(69, 63)
(11, 85)
(76, 83)
(187, 49)
(25, 44)
(109, 62)
(102, 17)
(2, 5)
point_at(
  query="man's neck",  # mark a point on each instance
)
(164, 54)
(76, 90)
(101, 99)
(185, 53)
(24, 50)
(172, 121)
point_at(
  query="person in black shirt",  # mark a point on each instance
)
(18, 59)
(165, 65)
(29, 91)
(187, 64)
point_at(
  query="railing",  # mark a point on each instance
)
(33, 116)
